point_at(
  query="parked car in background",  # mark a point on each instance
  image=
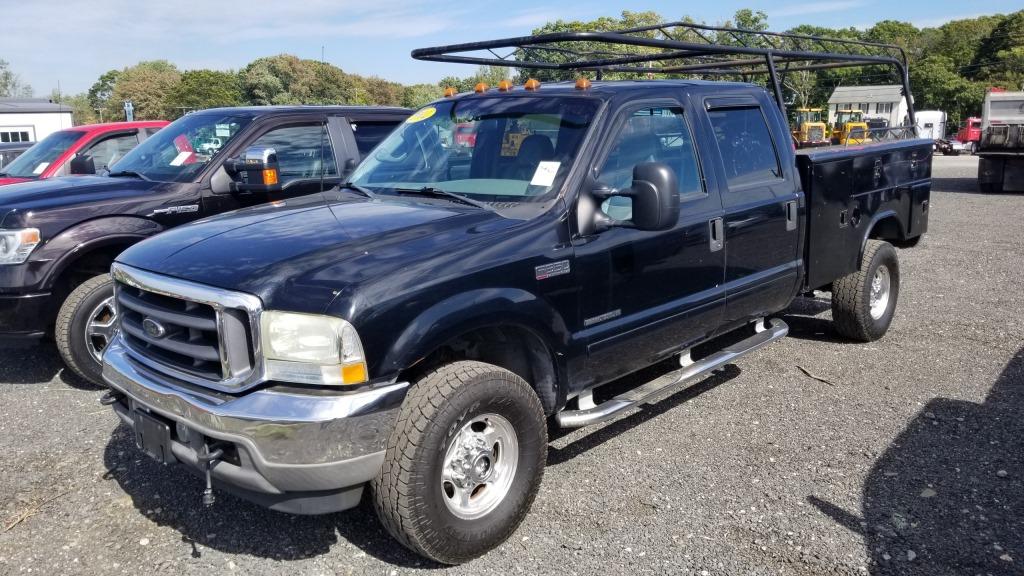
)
(11, 150)
(58, 237)
(78, 151)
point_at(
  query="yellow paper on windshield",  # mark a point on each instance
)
(421, 115)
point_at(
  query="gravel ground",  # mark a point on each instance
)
(813, 456)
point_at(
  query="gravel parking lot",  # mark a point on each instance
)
(813, 456)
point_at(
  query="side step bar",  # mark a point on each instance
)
(656, 389)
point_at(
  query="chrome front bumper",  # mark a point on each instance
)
(287, 442)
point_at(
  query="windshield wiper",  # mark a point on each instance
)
(360, 189)
(129, 173)
(437, 192)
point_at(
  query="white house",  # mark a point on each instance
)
(31, 119)
(885, 102)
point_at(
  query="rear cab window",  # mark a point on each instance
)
(748, 152)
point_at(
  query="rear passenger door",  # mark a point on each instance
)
(761, 201)
(646, 294)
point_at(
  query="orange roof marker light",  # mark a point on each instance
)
(481, 87)
(582, 84)
(532, 84)
(449, 92)
(505, 86)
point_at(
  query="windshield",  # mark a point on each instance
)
(845, 117)
(508, 150)
(38, 158)
(179, 151)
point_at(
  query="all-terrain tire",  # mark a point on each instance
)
(70, 329)
(408, 492)
(851, 294)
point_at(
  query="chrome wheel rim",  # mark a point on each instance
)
(100, 327)
(479, 466)
(879, 299)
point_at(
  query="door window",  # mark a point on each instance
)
(369, 134)
(109, 150)
(303, 152)
(655, 134)
(748, 153)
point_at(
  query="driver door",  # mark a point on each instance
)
(646, 294)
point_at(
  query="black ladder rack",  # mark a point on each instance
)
(683, 48)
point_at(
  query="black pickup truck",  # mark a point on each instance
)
(58, 237)
(414, 329)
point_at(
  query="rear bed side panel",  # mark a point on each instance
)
(876, 191)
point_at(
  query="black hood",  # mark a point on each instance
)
(19, 201)
(307, 243)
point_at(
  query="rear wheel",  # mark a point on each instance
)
(464, 462)
(864, 303)
(86, 324)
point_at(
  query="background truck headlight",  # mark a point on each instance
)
(16, 245)
(311, 349)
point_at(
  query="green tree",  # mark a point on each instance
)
(99, 93)
(147, 85)
(199, 89)
(936, 85)
(420, 94)
(490, 75)
(286, 79)
(11, 85)
(1000, 59)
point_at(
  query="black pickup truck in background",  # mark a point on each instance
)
(58, 237)
(415, 332)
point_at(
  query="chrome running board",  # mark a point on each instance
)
(651, 392)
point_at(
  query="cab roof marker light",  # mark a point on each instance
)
(449, 92)
(582, 84)
(481, 87)
(532, 84)
(505, 86)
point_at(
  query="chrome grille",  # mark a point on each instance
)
(179, 333)
(198, 334)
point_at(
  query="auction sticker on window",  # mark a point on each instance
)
(545, 173)
(421, 115)
(42, 166)
(180, 158)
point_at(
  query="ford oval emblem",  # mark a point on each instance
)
(153, 328)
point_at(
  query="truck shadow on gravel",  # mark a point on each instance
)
(170, 496)
(947, 496)
(37, 365)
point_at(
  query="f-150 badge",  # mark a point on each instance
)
(546, 271)
(177, 209)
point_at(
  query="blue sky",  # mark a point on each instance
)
(74, 41)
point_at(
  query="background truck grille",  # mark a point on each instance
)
(816, 134)
(188, 340)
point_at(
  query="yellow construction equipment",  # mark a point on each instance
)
(809, 130)
(850, 128)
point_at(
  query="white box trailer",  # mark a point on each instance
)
(931, 124)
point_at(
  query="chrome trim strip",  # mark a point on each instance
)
(217, 298)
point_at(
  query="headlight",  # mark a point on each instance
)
(311, 349)
(16, 245)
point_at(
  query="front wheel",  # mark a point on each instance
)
(464, 462)
(86, 324)
(864, 302)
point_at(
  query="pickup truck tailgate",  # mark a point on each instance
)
(853, 193)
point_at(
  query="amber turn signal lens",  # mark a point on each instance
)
(353, 373)
(481, 87)
(449, 92)
(505, 85)
(269, 176)
(582, 84)
(532, 84)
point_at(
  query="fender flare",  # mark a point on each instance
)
(883, 215)
(74, 242)
(475, 309)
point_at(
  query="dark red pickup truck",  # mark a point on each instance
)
(79, 150)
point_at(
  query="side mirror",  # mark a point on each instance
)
(654, 195)
(256, 170)
(348, 167)
(83, 164)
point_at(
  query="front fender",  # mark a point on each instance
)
(72, 243)
(472, 310)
